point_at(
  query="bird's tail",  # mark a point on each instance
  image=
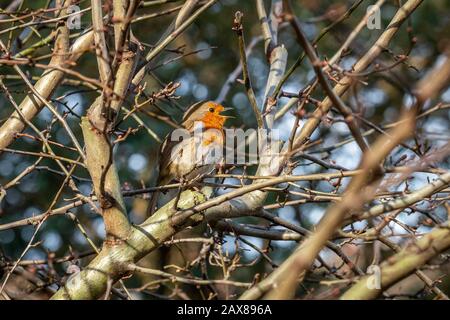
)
(152, 203)
(154, 198)
(155, 195)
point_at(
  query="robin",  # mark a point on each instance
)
(200, 150)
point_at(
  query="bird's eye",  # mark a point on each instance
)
(211, 109)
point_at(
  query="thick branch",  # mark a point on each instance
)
(399, 266)
(113, 207)
(101, 48)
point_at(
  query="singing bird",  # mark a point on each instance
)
(200, 150)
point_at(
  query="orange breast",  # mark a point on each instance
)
(213, 120)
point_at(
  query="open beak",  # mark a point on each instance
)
(227, 117)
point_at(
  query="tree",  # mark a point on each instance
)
(348, 201)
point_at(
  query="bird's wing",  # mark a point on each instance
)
(178, 159)
(165, 160)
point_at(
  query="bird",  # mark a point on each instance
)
(200, 150)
